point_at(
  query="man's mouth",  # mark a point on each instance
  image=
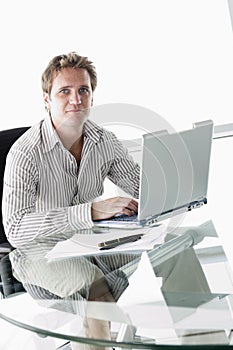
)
(75, 110)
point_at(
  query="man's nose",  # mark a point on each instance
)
(75, 99)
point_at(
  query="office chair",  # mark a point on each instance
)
(7, 138)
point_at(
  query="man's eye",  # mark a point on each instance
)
(64, 91)
(83, 90)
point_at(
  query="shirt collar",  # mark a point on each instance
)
(92, 131)
(50, 137)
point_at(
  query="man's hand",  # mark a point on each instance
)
(109, 207)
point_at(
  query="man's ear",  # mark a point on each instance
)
(46, 100)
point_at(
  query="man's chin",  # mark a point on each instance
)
(78, 115)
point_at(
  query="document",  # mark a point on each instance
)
(90, 244)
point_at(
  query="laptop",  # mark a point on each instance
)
(174, 176)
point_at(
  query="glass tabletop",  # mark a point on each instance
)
(178, 293)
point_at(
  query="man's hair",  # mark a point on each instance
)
(70, 60)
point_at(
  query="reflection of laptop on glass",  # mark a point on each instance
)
(174, 175)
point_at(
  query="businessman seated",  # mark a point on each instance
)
(53, 174)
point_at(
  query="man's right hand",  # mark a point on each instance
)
(109, 207)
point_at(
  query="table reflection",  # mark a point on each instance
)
(72, 284)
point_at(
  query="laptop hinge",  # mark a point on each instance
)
(153, 219)
(197, 204)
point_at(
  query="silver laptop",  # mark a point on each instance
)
(174, 176)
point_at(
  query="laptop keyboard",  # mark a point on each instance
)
(125, 218)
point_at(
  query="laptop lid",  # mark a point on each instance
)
(174, 171)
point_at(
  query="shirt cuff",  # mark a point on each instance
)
(79, 216)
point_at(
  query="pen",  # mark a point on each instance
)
(115, 242)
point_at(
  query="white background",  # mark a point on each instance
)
(172, 57)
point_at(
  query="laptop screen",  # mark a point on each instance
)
(175, 169)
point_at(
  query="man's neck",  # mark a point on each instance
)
(70, 135)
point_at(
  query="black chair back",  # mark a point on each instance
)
(8, 284)
(7, 138)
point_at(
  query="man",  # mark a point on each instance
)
(56, 170)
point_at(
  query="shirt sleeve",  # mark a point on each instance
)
(21, 221)
(124, 171)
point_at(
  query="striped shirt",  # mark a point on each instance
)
(45, 190)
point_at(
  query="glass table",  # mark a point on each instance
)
(178, 294)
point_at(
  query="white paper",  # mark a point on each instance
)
(87, 244)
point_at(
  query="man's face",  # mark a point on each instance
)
(71, 97)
